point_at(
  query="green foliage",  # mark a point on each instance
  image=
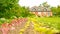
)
(3, 20)
(56, 10)
(50, 21)
(9, 8)
(45, 4)
(25, 12)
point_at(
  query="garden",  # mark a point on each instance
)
(16, 19)
(31, 25)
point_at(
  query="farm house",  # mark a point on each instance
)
(41, 11)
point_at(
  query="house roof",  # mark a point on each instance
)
(40, 9)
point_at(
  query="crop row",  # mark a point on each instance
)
(13, 27)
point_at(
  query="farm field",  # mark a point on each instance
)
(33, 25)
(51, 21)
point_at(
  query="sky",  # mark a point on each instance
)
(32, 3)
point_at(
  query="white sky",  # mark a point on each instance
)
(31, 3)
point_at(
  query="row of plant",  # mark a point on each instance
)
(51, 21)
(41, 25)
(13, 27)
(42, 28)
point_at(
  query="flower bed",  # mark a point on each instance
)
(13, 27)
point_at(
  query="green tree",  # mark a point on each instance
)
(24, 11)
(45, 4)
(8, 8)
(56, 10)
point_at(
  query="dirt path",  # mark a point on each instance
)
(30, 30)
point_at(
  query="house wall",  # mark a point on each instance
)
(43, 13)
(51, 14)
(39, 13)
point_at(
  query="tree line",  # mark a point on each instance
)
(9, 8)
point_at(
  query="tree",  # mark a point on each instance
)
(56, 10)
(8, 8)
(24, 11)
(45, 4)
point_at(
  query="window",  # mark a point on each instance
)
(39, 9)
(33, 9)
(45, 9)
